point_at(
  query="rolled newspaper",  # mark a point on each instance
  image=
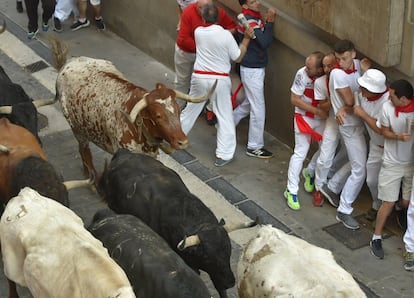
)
(356, 99)
(408, 124)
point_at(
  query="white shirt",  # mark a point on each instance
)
(321, 88)
(340, 79)
(303, 86)
(215, 49)
(321, 91)
(374, 110)
(397, 152)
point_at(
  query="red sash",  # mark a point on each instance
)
(304, 127)
(234, 96)
(211, 73)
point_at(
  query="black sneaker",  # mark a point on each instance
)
(348, 220)
(45, 26)
(332, 197)
(79, 25)
(376, 248)
(19, 6)
(260, 153)
(409, 261)
(57, 25)
(100, 23)
(32, 34)
(222, 162)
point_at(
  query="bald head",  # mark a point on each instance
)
(328, 63)
(201, 4)
(204, 2)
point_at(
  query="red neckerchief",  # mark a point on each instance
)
(348, 71)
(327, 85)
(252, 13)
(376, 97)
(252, 23)
(405, 109)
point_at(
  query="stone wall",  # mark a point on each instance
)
(382, 30)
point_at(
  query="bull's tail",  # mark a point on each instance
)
(59, 50)
(3, 27)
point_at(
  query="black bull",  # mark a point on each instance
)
(17, 106)
(152, 267)
(23, 112)
(142, 186)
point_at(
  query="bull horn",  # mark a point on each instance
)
(72, 184)
(4, 149)
(233, 227)
(188, 241)
(6, 109)
(3, 27)
(195, 99)
(139, 106)
(43, 102)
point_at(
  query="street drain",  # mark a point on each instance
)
(355, 239)
(35, 67)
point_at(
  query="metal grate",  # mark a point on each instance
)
(37, 66)
(355, 239)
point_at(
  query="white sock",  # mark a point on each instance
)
(376, 237)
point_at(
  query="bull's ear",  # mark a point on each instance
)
(160, 86)
(222, 222)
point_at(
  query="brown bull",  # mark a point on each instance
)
(23, 163)
(103, 107)
(17, 143)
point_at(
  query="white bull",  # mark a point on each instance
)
(46, 248)
(275, 264)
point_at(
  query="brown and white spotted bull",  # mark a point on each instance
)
(103, 107)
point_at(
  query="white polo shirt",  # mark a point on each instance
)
(340, 79)
(374, 110)
(397, 151)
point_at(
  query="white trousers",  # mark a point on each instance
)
(356, 148)
(312, 163)
(302, 144)
(327, 149)
(64, 8)
(221, 106)
(373, 168)
(340, 159)
(253, 105)
(338, 180)
(409, 233)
